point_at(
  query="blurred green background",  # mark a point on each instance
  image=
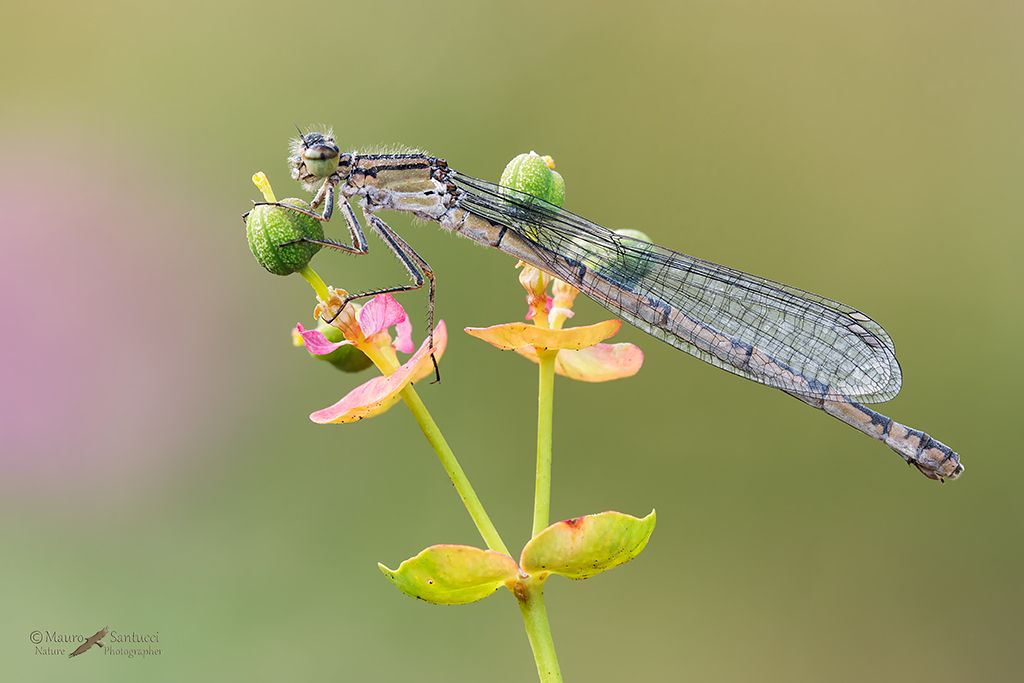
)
(159, 470)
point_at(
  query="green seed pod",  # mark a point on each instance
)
(268, 227)
(530, 173)
(557, 191)
(634, 235)
(636, 245)
(624, 266)
(346, 358)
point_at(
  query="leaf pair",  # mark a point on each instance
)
(576, 548)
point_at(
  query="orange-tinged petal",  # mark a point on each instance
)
(599, 363)
(380, 393)
(509, 336)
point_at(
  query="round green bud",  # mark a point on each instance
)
(531, 174)
(633, 235)
(624, 265)
(636, 245)
(268, 227)
(346, 358)
(556, 194)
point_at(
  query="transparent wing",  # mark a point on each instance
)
(766, 331)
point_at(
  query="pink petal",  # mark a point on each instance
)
(316, 343)
(380, 313)
(380, 393)
(403, 336)
(598, 363)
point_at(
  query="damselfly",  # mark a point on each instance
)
(823, 352)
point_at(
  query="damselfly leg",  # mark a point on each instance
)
(406, 254)
(359, 245)
(419, 270)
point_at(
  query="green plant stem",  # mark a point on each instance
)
(455, 472)
(531, 595)
(316, 282)
(545, 416)
(387, 363)
(538, 630)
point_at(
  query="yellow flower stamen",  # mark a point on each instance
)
(262, 183)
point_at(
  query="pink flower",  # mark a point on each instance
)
(380, 393)
(368, 329)
(384, 311)
(317, 343)
(361, 324)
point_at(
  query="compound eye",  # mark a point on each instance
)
(321, 159)
(320, 152)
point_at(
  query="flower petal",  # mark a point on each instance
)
(316, 343)
(403, 336)
(599, 363)
(532, 311)
(380, 393)
(425, 367)
(366, 400)
(380, 313)
(509, 336)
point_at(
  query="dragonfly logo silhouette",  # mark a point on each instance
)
(94, 639)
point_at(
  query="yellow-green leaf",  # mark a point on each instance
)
(452, 574)
(581, 547)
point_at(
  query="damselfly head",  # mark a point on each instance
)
(314, 156)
